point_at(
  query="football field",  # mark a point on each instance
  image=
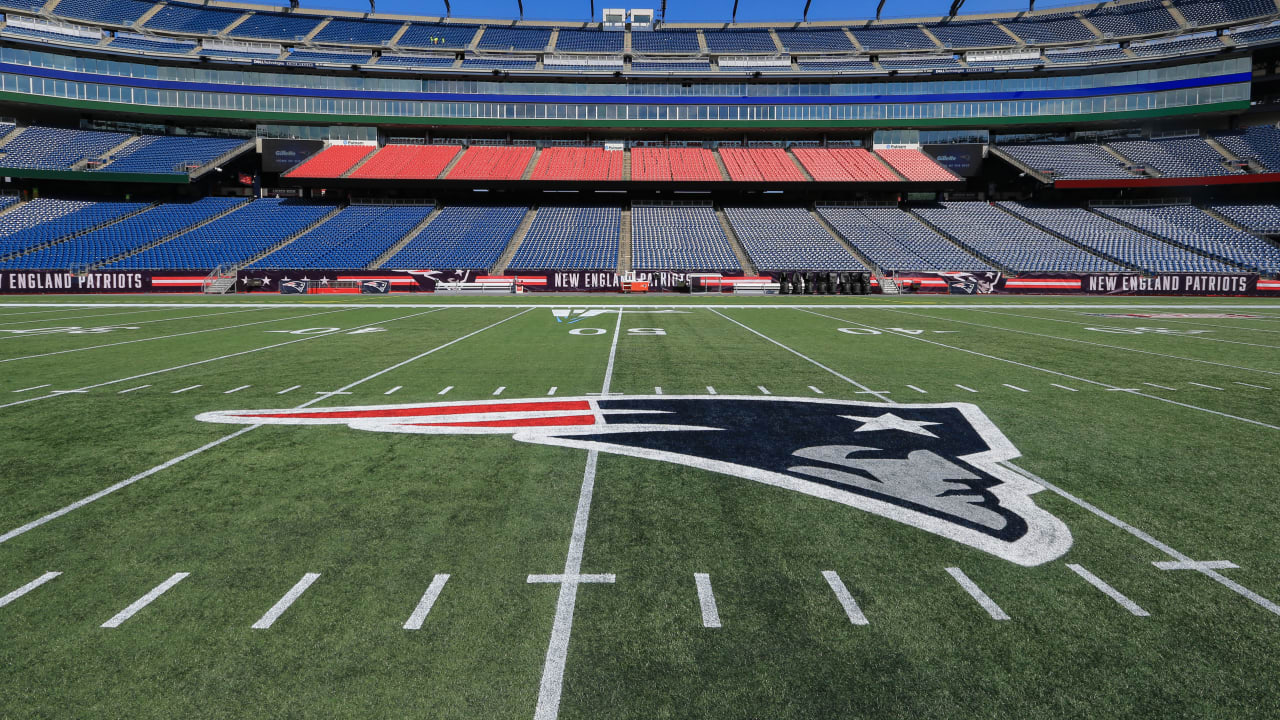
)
(588, 507)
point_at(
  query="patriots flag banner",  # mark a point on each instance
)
(936, 467)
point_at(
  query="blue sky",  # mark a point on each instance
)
(677, 10)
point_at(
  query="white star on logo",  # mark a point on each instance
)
(889, 421)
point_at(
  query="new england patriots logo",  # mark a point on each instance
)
(294, 287)
(935, 467)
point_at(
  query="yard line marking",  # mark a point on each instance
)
(288, 389)
(140, 387)
(763, 390)
(879, 394)
(147, 473)
(846, 600)
(393, 390)
(166, 337)
(552, 391)
(1059, 374)
(1260, 387)
(82, 317)
(922, 392)
(1162, 387)
(606, 578)
(36, 387)
(1203, 568)
(1211, 387)
(1015, 387)
(1193, 565)
(283, 603)
(144, 601)
(1109, 591)
(711, 390)
(1161, 320)
(242, 387)
(424, 605)
(1064, 387)
(1087, 342)
(193, 387)
(28, 588)
(816, 391)
(962, 387)
(445, 390)
(976, 593)
(657, 391)
(36, 332)
(552, 683)
(707, 601)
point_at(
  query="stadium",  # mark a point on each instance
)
(358, 364)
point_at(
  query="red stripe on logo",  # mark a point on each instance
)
(520, 422)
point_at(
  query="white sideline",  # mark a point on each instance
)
(976, 593)
(283, 603)
(424, 605)
(1109, 591)
(28, 588)
(144, 601)
(552, 683)
(147, 473)
(707, 601)
(846, 600)
(1129, 391)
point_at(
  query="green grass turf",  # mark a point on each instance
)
(379, 514)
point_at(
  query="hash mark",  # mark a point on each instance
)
(144, 601)
(424, 605)
(711, 390)
(445, 390)
(1204, 386)
(922, 392)
(193, 387)
(1162, 387)
(140, 387)
(976, 593)
(242, 387)
(1239, 383)
(1064, 387)
(1015, 387)
(393, 390)
(763, 390)
(1109, 591)
(283, 603)
(500, 389)
(28, 588)
(962, 387)
(846, 600)
(707, 601)
(552, 391)
(288, 389)
(657, 390)
(816, 390)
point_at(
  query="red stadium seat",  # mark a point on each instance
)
(757, 164)
(684, 164)
(492, 162)
(407, 162)
(916, 166)
(578, 163)
(331, 162)
(843, 165)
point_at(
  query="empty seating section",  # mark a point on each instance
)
(492, 162)
(460, 237)
(1181, 157)
(46, 148)
(971, 35)
(814, 41)
(176, 17)
(1108, 53)
(45, 221)
(501, 63)
(1048, 29)
(916, 166)
(666, 41)
(571, 238)
(231, 239)
(1257, 35)
(680, 164)
(589, 41)
(1260, 143)
(578, 163)
(894, 240)
(331, 162)
(28, 5)
(995, 234)
(1082, 161)
(357, 32)
(8, 200)
(170, 154)
(110, 12)
(1190, 226)
(267, 26)
(679, 238)
(843, 165)
(1115, 240)
(1185, 46)
(350, 240)
(1221, 12)
(760, 164)
(427, 35)
(901, 37)
(153, 45)
(56, 37)
(1263, 219)
(389, 60)
(407, 162)
(678, 66)
(496, 38)
(125, 236)
(339, 58)
(735, 41)
(789, 239)
(1132, 19)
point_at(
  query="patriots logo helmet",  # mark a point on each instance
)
(938, 467)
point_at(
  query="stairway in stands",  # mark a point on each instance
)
(521, 230)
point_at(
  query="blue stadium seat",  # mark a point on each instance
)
(679, 238)
(461, 237)
(269, 26)
(1070, 161)
(110, 12)
(1189, 226)
(350, 240)
(739, 41)
(169, 154)
(357, 32)
(45, 221)
(47, 148)
(589, 41)
(177, 17)
(666, 41)
(1009, 241)
(894, 240)
(1180, 157)
(571, 238)
(429, 35)
(505, 38)
(789, 239)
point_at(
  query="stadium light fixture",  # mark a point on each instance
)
(520, 4)
(448, 11)
(879, 9)
(955, 7)
(663, 14)
(734, 17)
(805, 17)
(593, 9)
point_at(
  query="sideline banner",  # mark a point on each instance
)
(57, 281)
